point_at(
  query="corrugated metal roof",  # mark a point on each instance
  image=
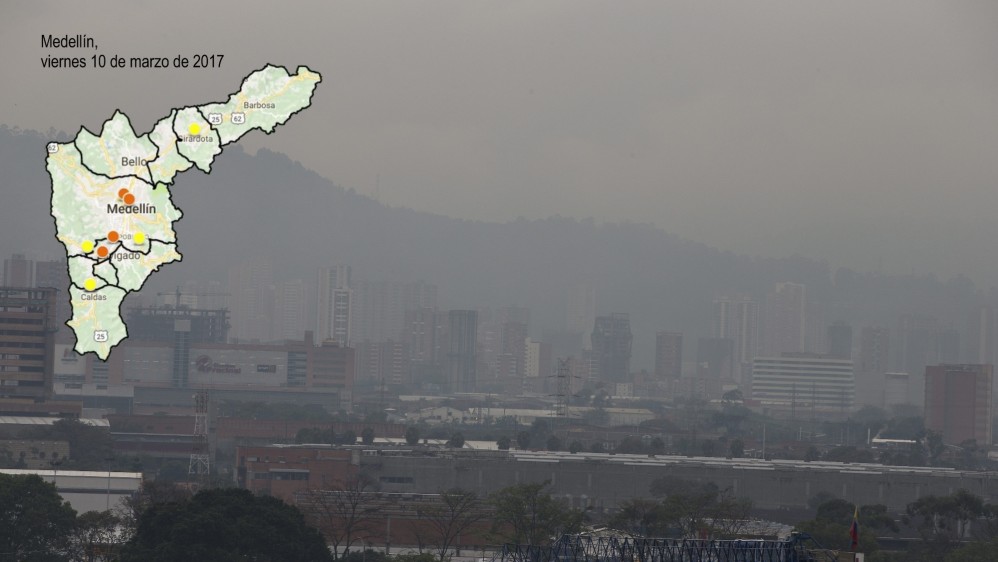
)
(38, 420)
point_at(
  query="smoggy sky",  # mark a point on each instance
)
(861, 132)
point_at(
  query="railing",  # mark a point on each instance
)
(582, 548)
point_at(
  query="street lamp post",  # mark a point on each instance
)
(55, 473)
(107, 493)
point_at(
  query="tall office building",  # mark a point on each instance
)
(580, 311)
(715, 359)
(425, 335)
(839, 339)
(251, 290)
(160, 322)
(462, 338)
(801, 383)
(379, 307)
(512, 358)
(611, 347)
(897, 390)
(737, 319)
(949, 345)
(958, 402)
(668, 356)
(290, 310)
(872, 362)
(917, 344)
(427, 343)
(874, 351)
(982, 344)
(786, 325)
(18, 271)
(382, 363)
(334, 317)
(27, 351)
(55, 274)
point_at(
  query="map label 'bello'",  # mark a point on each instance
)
(116, 221)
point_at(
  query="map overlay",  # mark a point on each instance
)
(111, 192)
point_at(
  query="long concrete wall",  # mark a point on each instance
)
(604, 481)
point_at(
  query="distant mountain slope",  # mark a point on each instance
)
(269, 205)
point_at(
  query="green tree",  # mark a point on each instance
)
(554, 444)
(36, 522)
(596, 416)
(367, 555)
(528, 514)
(699, 509)
(151, 493)
(575, 446)
(974, 552)
(349, 437)
(95, 538)
(630, 445)
(412, 435)
(504, 442)
(736, 449)
(830, 526)
(934, 443)
(708, 447)
(224, 525)
(367, 435)
(89, 445)
(523, 440)
(640, 516)
(942, 521)
(456, 440)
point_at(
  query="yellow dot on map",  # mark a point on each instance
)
(90, 284)
(194, 128)
(87, 246)
(139, 238)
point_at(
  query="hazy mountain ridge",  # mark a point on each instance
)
(266, 204)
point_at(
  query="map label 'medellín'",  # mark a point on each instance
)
(79, 41)
(140, 209)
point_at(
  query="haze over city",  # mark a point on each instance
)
(587, 281)
(785, 128)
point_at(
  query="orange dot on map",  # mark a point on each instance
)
(102, 251)
(122, 192)
(129, 199)
(112, 236)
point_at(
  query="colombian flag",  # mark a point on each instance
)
(854, 529)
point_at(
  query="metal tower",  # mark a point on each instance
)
(563, 387)
(200, 465)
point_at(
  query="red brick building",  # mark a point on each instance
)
(958, 402)
(281, 471)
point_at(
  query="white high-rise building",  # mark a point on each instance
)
(335, 304)
(289, 310)
(737, 319)
(804, 381)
